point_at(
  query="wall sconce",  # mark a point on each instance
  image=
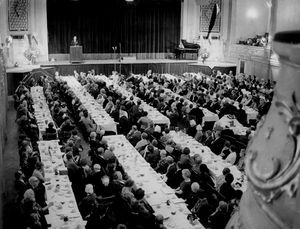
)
(252, 13)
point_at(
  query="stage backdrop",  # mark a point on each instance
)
(145, 26)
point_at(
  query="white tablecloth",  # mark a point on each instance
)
(58, 188)
(214, 162)
(97, 112)
(157, 193)
(227, 122)
(41, 109)
(153, 114)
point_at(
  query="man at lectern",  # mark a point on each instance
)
(74, 41)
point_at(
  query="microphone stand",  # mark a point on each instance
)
(120, 58)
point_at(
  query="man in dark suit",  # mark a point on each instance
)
(241, 115)
(74, 42)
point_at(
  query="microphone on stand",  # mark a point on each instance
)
(120, 58)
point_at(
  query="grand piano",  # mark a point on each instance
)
(189, 52)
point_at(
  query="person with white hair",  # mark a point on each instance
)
(195, 195)
(39, 190)
(89, 203)
(32, 212)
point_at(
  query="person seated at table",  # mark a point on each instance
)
(227, 109)
(205, 207)
(174, 175)
(20, 185)
(191, 130)
(67, 125)
(76, 139)
(195, 194)
(94, 144)
(75, 151)
(220, 217)
(75, 176)
(144, 121)
(98, 158)
(143, 209)
(221, 179)
(105, 189)
(151, 155)
(87, 123)
(241, 115)
(226, 188)
(166, 136)
(117, 182)
(163, 162)
(89, 203)
(142, 143)
(217, 143)
(184, 188)
(205, 178)
(32, 212)
(231, 158)
(157, 132)
(39, 190)
(50, 129)
(127, 191)
(185, 158)
(110, 105)
(97, 173)
(134, 135)
(226, 150)
(39, 171)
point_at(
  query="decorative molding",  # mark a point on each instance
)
(269, 186)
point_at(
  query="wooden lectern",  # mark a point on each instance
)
(76, 54)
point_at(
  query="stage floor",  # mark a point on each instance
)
(213, 64)
(139, 66)
(137, 61)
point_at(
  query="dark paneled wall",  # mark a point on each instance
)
(145, 26)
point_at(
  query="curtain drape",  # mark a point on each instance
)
(146, 26)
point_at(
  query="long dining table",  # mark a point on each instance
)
(97, 112)
(208, 115)
(41, 109)
(153, 114)
(64, 213)
(158, 194)
(214, 162)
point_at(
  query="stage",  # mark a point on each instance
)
(139, 66)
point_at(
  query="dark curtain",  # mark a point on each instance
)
(145, 26)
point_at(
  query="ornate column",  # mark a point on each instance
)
(273, 155)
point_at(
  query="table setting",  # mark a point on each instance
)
(157, 193)
(64, 213)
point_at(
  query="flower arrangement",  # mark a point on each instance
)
(32, 52)
(204, 54)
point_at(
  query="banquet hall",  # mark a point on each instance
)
(149, 114)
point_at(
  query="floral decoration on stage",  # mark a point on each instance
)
(204, 54)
